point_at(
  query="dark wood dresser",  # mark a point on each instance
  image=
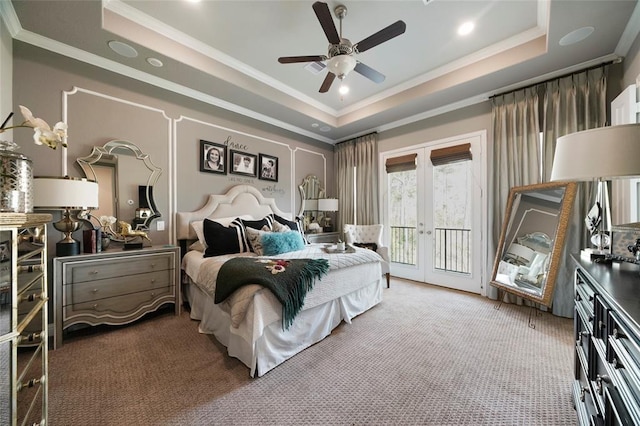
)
(606, 389)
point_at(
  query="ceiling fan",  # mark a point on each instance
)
(340, 57)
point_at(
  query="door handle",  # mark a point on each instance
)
(428, 232)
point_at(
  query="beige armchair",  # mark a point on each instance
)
(367, 234)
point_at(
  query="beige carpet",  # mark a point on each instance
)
(425, 355)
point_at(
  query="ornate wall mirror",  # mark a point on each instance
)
(125, 177)
(532, 238)
(310, 191)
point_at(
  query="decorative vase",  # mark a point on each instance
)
(105, 242)
(16, 180)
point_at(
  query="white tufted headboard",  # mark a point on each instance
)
(239, 200)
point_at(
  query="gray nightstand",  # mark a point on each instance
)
(323, 237)
(114, 287)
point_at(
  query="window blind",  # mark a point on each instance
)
(451, 154)
(401, 164)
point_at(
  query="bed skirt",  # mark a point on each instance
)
(261, 346)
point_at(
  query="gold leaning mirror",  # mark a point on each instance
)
(533, 233)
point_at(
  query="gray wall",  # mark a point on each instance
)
(102, 106)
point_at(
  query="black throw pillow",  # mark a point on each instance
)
(293, 225)
(221, 239)
(370, 246)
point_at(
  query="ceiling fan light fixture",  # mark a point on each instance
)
(344, 89)
(341, 65)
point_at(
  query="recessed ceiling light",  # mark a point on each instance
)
(155, 62)
(123, 49)
(315, 125)
(325, 128)
(466, 28)
(576, 35)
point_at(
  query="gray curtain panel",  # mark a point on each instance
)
(569, 104)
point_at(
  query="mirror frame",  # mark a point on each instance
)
(547, 290)
(109, 150)
(303, 195)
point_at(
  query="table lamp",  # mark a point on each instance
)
(65, 193)
(327, 205)
(600, 154)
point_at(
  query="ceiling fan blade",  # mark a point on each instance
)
(326, 21)
(295, 59)
(369, 72)
(385, 34)
(326, 84)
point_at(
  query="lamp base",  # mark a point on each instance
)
(594, 254)
(67, 248)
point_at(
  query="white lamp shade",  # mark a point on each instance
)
(328, 204)
(311, 205)
(606, 152)
(64, 193)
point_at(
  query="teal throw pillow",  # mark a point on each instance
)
(274, 243)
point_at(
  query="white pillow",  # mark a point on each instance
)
(198, 227)
(279, 227)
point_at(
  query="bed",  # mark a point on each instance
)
(250, 322)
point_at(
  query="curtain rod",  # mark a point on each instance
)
(557, 78)
(353, 139)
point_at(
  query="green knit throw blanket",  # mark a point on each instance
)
(288, 280)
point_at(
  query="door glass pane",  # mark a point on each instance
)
(452, 217)
(403, 207)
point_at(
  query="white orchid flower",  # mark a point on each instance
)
(43, 134)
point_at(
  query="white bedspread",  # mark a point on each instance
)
(204, 271)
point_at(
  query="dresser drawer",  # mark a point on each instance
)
(101, 289)
(583, 401)
(117, 267)
(120, 305)
(30, 387)
(583, 340)
(585, 295)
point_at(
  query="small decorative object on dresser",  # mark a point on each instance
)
(114, 287)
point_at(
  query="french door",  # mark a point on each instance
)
(435, 213)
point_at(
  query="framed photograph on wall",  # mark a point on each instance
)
(213, 157)
(268, 167)
(242, 163)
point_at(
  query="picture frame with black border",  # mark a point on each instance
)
(268, 168)
(243, 163)
(213, 157)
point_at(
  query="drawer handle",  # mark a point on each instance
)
(617, 334)
(153, 265)
(31, 383)
(32, 337)
(599, 380)
(94, 291)
(583, 391)
(95, 306)
(94, 272)
(153, 281)
(601, 324)
(31, 297)
(581, 335)
(153, 294)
